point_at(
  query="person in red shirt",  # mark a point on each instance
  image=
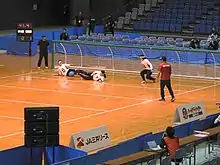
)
(172, 144)
(164, 73)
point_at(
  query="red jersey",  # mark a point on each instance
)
(165, 70)
(172, 145)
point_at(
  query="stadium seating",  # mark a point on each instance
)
(172, 16)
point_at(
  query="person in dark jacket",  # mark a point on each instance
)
(214, 31)
(91, 25)
(110, 26)
(42, 47)
(79, 20)
(195, 44)
(64, 35)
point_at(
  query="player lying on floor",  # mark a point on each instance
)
(96, 75)
(65, 70)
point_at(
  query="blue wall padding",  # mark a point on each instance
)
(21, 156)
(62, 153)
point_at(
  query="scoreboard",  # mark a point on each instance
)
(24, 32)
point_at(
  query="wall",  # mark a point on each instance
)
(13, 11)
(102, 8)
(79, 5)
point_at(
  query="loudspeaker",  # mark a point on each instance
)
(41, 141)
(41, 114)
(41, 126)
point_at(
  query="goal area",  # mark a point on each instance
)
(195, 63)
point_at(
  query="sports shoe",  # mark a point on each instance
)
(143, 82)
(46, 67)
(172, 100)
(38, 67)
(162, 100)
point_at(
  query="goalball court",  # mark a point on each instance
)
(121, 103)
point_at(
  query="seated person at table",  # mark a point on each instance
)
(96, 75)
(170, 142)
(64, 70)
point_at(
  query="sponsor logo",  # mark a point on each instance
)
(80, 143)
(192, 112)
(91, 140)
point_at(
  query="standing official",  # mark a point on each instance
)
(164, 73)
(147, 71)
(43, 51)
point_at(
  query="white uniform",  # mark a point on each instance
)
(63, 69)
(97, 76)
(147, 64)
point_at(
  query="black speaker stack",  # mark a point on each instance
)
(41, 128)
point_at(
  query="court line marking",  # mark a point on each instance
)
(64, 106)
(72, 93)
(117, 109)
(137, 104)
(22, 74)
(12, 117)
(142, 86)
(196, 79)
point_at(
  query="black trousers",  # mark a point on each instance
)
(45, 56)
(84, 75)
(91, 29)
(148, 74)
(166, 83)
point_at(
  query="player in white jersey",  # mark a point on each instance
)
(147, 71)
(96, 75)
(65, 70)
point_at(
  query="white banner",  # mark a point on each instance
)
(91, 140)
(189, 112)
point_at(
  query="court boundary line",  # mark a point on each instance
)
(117, 85)
(46, 104)
(118, 109)
(22, 74)
(72, 93)
(12, 117)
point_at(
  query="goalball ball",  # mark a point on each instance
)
(71, 74)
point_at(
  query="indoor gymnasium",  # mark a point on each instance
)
(122, 118)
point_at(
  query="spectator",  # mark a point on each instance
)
(64, 35)
(91, 25)
(213, 39)
(195, 44)
(213, 42)
(79, 20)
(214, 32)
(110, 26)
(171, 142)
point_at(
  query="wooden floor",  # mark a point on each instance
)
(121, 103)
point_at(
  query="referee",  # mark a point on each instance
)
(43, 51)
(164, 73)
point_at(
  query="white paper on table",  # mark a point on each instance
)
(200, 135)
